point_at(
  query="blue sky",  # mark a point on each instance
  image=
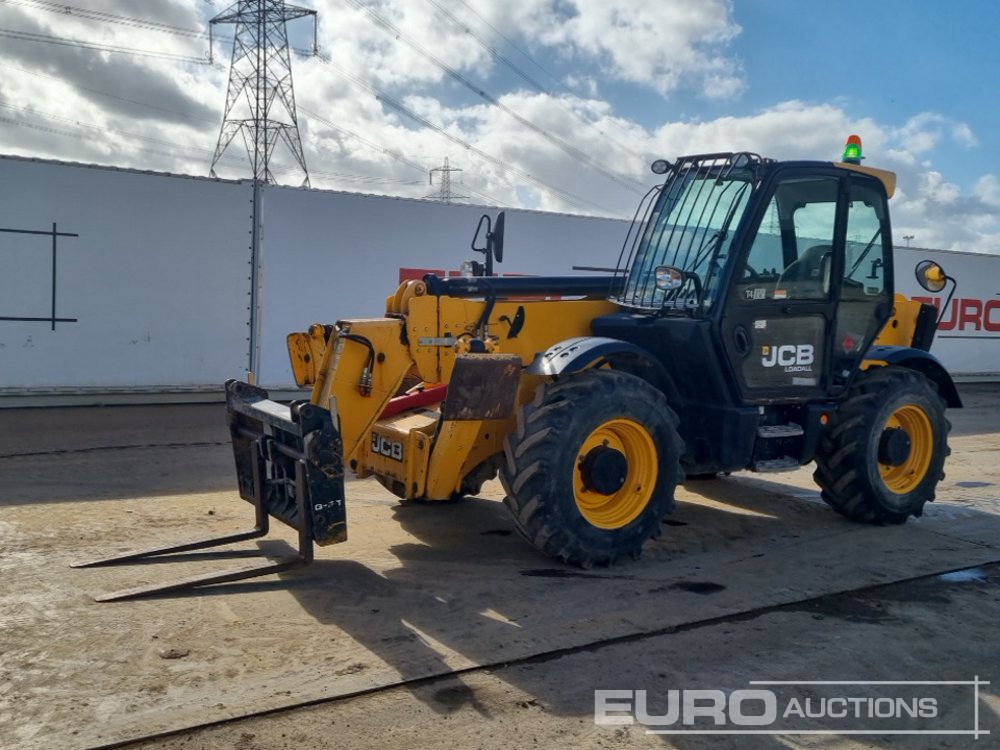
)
(606, 86)
(889, 59)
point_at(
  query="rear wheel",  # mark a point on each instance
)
(591, 470)
(884, 450)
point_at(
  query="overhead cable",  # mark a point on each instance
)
(386, 25)
(506, 61)
(389, 101)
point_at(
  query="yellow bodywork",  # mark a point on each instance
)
(887, 178)
(899, 330)
(418, 453)
(902, 325)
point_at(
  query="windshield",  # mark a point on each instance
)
(689, 227)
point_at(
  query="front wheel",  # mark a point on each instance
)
(591, 470)
(884, 450)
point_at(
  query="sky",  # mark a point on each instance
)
(557, 105)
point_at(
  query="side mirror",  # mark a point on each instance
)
(931, 276)
(668, 278)
(493, 247)
(660, 166)
(495, 239)
(484, 219)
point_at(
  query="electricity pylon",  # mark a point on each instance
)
(260, 81)
(444, 193)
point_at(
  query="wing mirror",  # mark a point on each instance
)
(931, 276)
(493, 244)
(668, 278)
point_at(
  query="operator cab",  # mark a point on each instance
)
(758, 285)
(768, 257)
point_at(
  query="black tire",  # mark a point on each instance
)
(475, 479)
(884, 450)
(564, 502)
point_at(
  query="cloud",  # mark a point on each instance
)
(666, 45)
(923, 132)
(580, 153)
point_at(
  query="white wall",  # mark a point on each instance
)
(157, 280)
(328, 255)
(968, 337)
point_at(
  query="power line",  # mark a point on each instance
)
(98, 128)
(381, 96)
(96, 15)
(401, 158)
(513, 45)
(106, 93)
(88, 137)
(555, 79)
(396, 155)
(386, 25)
(28, 36)
(494, 53)
(98, 47)
(140, 23)
(334, 175)
(489, 198)
(194, 152)
(503, 59)
(191, 151)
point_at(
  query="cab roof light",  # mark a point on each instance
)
(852, 150)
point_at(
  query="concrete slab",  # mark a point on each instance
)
(418, 590)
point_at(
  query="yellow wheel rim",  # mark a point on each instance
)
(917, 425)
(622, 506)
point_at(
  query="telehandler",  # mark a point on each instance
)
(751, 323)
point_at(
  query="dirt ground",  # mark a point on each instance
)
(437, 626)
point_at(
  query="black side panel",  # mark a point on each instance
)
(718, 431)
(926, 327)
(718, 438)
(784, 355)
(489, 286)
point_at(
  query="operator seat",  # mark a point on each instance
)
(808, 277)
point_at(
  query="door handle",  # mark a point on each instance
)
(741, 340)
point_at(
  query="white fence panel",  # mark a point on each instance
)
(968, 337)
(149, 286)
(328, 256)
(114, 280)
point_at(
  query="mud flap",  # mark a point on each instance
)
(272, 443)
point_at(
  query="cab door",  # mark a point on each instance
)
(781, 306)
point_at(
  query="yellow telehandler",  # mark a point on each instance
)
(751, 324)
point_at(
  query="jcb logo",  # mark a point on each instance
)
(789, 355)
(387, 448)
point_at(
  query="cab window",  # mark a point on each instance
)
(864, 269)
(791, 257)
(865, 290)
